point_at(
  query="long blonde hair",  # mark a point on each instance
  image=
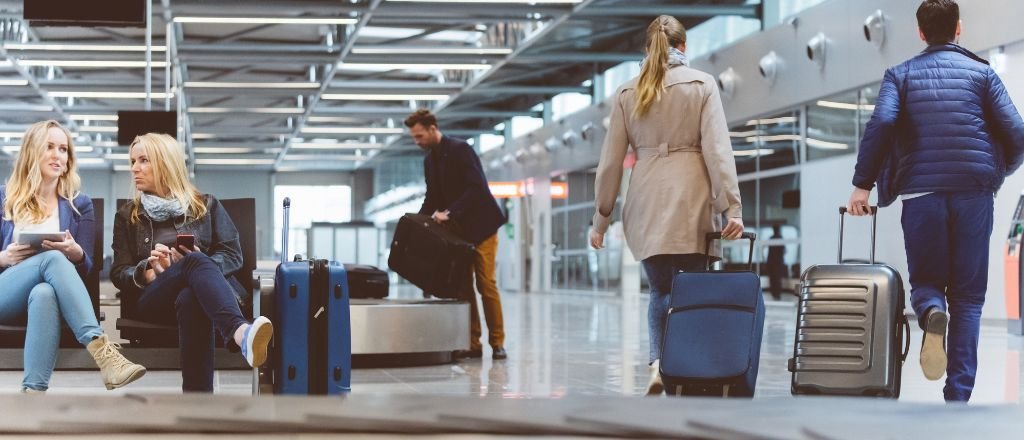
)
(24, 202)
(169, 175)
(663, 33)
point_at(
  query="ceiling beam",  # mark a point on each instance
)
(577, 57)
(300, 122)
(628, 10)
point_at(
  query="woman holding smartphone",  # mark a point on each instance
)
(191, 286)
(43, 287)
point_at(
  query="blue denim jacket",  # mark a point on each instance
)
(81, 225)
(215, 235)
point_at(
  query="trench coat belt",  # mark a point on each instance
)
(663, 150)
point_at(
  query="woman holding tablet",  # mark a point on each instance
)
(43, 285)
(176, 249)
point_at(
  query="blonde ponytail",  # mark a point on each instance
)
(663, 33)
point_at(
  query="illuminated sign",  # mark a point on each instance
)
(511, 190)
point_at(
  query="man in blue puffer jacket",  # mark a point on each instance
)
(943, 137)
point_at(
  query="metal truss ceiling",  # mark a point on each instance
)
(327, 90)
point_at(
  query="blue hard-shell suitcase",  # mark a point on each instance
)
(313, 344)
(712, 341)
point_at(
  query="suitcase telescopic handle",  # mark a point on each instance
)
(284, 230)
(712, 236)
(874, 226)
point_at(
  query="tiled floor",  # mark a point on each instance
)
(580, 345)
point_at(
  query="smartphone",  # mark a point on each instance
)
(186, 240)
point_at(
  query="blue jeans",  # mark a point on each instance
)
(661, 269)
(40, 292)
(947, 240)
(202, 300)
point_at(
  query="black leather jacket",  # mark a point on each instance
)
(215, 235)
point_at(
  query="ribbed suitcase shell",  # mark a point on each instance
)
(852, 335)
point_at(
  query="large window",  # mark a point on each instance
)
(309, 204)
(832, 126)
(575, 265)
(767, 143)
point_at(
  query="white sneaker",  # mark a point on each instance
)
(256, 341)
(27, 390)
(655, 387)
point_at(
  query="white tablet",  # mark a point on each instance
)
(35, 239)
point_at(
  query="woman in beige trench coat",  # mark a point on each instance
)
(684, 179)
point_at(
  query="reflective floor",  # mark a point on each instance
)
(584, 345)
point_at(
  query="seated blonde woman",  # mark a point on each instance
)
(43, 287)
(193, 288)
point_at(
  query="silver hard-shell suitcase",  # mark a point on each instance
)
(852, 335)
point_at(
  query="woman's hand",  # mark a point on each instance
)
(69, 247)
(159, 259)
(15, 253)
(733, 230)
(181, 251)
(596, 239)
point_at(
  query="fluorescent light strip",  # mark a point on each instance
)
(776, 138)
(758, 152)
(430, 50)
(92, 161)
(82, 47)
(825, 145)
(233, 150)
(266, 20)
(82, 63)
(258, 110)
(780, 121)
(13, 82)
(11, 134)
(92, 129)
(235, 161)
(122, 156)
(326, 158)
(409, 66)
(845, 106)
(740, 134)
(107, 95)
(337, 146)
(251, 85)
(93, 117)
(374, 97)
(333, 119)
(352, 130)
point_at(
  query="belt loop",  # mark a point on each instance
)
(663, 149)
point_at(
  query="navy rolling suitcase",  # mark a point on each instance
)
(712, 342)
(313, 344)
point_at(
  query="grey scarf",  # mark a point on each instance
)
(675, 58)
(160, 209)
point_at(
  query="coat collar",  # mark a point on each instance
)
(950, 47)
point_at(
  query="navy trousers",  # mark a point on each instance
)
(947, 239)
